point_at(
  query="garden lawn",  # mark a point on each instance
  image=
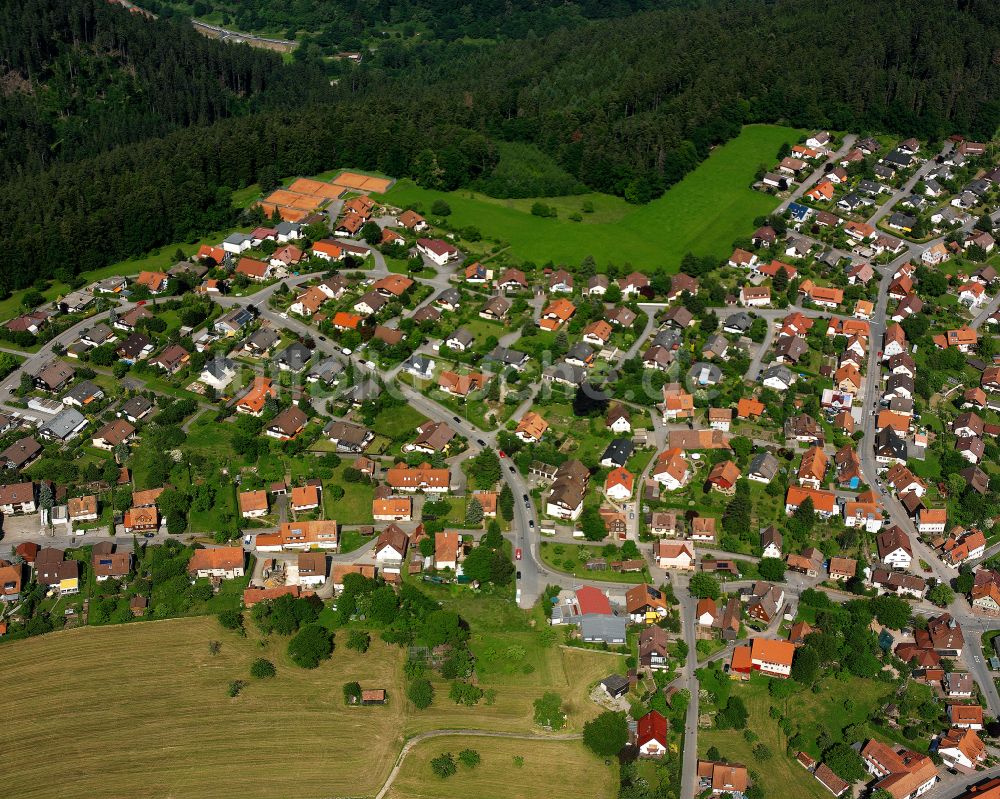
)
(543, 772)
(810, 713)
(211, 520)
(704, 213)
(576, 555)
(355, 507)
(391, 421)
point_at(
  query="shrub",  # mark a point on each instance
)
(231, 619)
(352, 693)
(469, 757)
(262, 668)
(359, 640)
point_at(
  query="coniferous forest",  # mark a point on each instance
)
(122, 134)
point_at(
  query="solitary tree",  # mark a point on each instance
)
(310, 645)
(474, 512)
(704, 586)
(506, 502)
(805, 665)
(607, 734)
(421, 693)
(444, 765)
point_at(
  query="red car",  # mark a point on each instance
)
(503, 454)
(517, 553)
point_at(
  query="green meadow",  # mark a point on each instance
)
(703, 214)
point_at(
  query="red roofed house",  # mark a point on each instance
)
(618, 485)
(253, 269)
(224, 562)
(773, 658)
(904, 774)
(592, 600)
(651, 735)
(824, 502)
(446, 550)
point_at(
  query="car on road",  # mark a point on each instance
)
(512, 469)
(531, 524)
(149, 535)
(347, 350)
(480, 442)
(503, 454)
(283, 315)
(322, 338)
(517, 553)
(456, 419)
(519, 574)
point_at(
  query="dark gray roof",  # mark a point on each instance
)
(420, 363)
(136, 407)
(705, 374)
(295, 356)
(507, 356)
(740, 321)
(580, 351)
(888, 442)
(618, 451)
(63, 423)
(264, 338)
(83, 391)
(463, 336)
(764, 464)
(565, 372)
(779, 371)
(595, 626)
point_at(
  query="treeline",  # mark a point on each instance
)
(78, 77)
(347, 23)
(126, 202)
(625, 106)
(628, 106)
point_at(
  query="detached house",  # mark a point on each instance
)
(221, 562)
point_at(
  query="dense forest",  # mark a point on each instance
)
(80, 76)
(625, 106)
(346, 24)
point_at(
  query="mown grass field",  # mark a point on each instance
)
(810, 713)
(704, 213)
(142, 710)
(546, 766)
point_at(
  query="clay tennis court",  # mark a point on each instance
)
(305, 195)
(316, 188)
(285, 212)
(356, 182)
